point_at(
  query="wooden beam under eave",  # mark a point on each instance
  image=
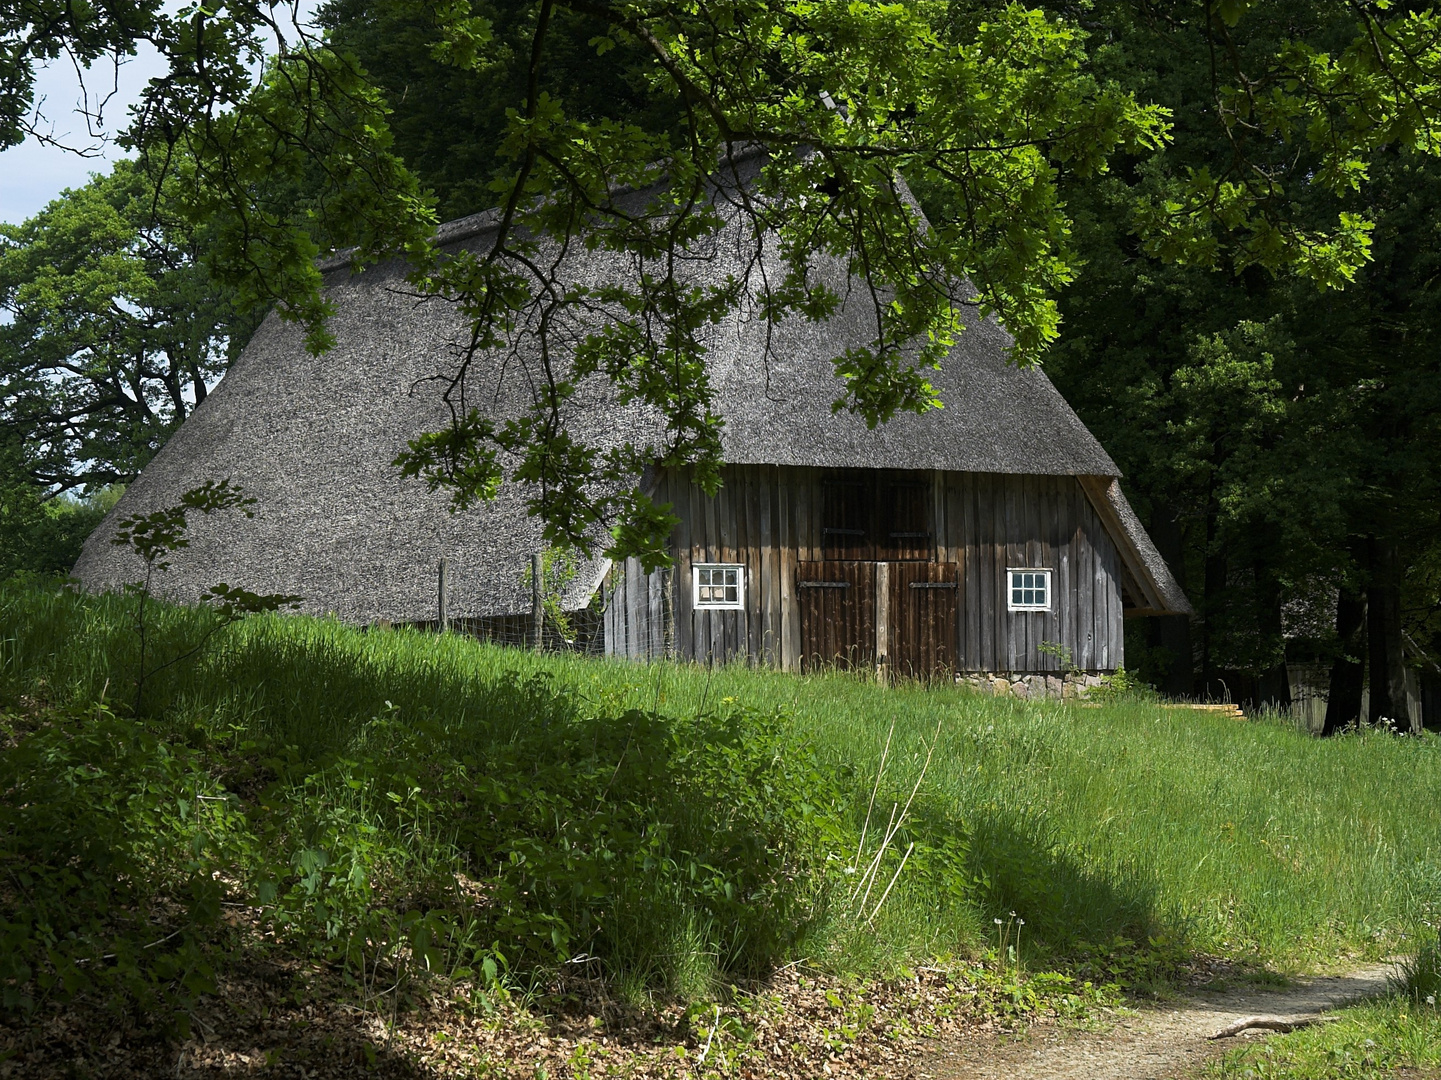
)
(1095, 488)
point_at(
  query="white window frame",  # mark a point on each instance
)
(718, 605)
(1011, 604)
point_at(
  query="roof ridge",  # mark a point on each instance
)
(464, 228)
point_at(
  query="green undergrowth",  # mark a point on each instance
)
(395, 802)
(1366, 1042)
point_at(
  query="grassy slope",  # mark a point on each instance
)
(1246, 840)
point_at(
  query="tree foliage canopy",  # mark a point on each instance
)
(1280, 438)
(114, 332)
(984, 111)
(1203, 168)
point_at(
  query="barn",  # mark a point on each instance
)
(989, 535)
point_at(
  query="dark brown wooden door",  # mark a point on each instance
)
(846, 519)
(882, 518)
(924, 607)
(838, 614)
(903, 530)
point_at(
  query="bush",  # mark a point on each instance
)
(518, 828)
(610, 836)
(113, 846)
(44, 536)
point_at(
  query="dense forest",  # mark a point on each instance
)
(1268, 379)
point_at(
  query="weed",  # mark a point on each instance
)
(1421, 976)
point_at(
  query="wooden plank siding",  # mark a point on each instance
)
(771, 520)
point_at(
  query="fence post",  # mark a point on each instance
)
(537, 606)
(444, 605)
(668, 612)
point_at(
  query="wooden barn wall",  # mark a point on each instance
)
(636, 612)
(996, 522)
(767, 518)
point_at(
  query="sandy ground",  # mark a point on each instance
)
(1160, 1043)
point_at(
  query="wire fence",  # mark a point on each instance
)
(607, 626)
(581, 632)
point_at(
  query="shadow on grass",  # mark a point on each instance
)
(1070, 911)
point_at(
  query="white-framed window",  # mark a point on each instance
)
(719, 585)
(1030, 590)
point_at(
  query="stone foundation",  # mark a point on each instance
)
(1033, 687)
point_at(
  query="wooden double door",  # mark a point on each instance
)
(898, 617)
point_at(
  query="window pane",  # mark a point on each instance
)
(718, 586)
(1030, 590)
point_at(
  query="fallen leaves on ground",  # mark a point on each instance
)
(291, 1020)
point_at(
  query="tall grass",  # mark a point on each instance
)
(1102, 827)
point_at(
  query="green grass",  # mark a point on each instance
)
(1368, 1042)
(1124, 836)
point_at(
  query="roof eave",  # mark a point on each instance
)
(1160, 592)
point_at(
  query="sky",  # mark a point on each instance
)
(32, 173)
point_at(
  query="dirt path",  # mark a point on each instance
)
(1159, 1043)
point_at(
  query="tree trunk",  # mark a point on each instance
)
(1212, 685)
(1343, 701)
(1383, 632)
(1273, 685)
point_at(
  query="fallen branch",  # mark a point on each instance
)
(1268, 1023)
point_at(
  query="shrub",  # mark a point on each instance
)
(113, 846)
(534, 828)
(609, 836)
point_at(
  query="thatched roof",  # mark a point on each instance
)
(312, 439)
